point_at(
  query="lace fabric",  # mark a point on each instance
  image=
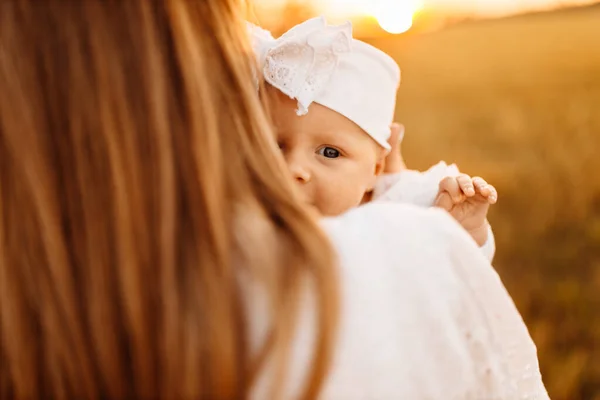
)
(508, 334)
(302, 61)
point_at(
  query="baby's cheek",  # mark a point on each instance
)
(338, 196)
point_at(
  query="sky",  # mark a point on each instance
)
(472, 7)
(399, 16)
(491, 7)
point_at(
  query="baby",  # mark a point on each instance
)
(332, 100)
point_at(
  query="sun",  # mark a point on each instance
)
(396, 16)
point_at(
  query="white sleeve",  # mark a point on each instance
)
(413, 187)
(424, 315)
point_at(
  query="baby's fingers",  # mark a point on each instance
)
(493, 197)
(444, 201)
(450, 185)
(486, 190)
(466, 184)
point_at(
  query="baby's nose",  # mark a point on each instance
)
(300, 173)
(299, 168)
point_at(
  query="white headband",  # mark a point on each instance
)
(316, 62)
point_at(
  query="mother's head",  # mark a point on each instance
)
(138, 182)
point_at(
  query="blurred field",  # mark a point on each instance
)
(518, 101)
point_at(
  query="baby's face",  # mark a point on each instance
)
(333, 161)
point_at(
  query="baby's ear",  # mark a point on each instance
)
(378, 170)
(380, 164)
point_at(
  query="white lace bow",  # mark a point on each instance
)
(302, 61)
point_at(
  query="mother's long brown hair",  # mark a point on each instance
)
(138, 182)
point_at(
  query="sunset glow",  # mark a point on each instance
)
(399, 16)
(396, 16)
(350, 8)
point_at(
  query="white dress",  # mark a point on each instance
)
(424, 315)
(421, 189)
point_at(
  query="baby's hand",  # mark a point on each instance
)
(468, 201)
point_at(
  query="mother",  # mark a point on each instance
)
(151, 244)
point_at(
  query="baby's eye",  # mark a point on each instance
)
(329, 152)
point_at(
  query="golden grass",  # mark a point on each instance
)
(517, 101)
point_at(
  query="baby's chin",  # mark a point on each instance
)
(325, 212)
(335, 207)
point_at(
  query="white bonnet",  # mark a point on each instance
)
(316, 62)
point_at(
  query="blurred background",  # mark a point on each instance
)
(509, 90)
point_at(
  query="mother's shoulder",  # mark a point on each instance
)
(403, 297)
(398, 242)
(386, 223)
